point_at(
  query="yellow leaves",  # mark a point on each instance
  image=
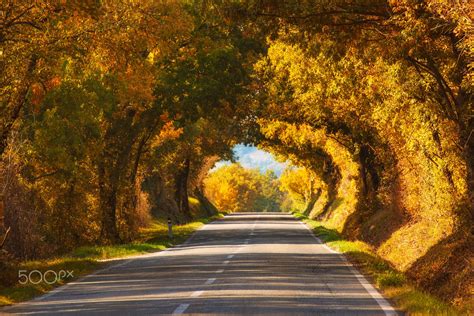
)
(233, 188)
(146, 31)
(153, 55)
(290, 134)
(300, 184)
(372, 95)
(168, 132)
(230, 188)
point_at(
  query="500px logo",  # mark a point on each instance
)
(49, 277)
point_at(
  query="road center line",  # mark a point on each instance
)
(210, 281)
(197, 293)
(180, 309)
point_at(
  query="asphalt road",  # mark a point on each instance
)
(246, 264)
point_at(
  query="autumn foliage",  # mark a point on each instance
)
(236, 189)
(114, 111)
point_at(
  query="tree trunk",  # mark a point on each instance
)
(17, 104)
(205, 203)
(368, 173)
(113, 168)
(331, 176)
(469, 154)
(311, 201)
(181, 195)
(4, 239)
(108, 207)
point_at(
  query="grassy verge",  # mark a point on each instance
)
(391, 282)
(84, 260)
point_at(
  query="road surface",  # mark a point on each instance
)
(246, 264)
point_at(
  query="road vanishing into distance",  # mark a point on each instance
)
(247, 264)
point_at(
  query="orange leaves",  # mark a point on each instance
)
(53, 82)
(138, 85)
(37, 94)
(168, 132)
(38, 91)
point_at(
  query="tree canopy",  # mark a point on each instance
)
(112, 110)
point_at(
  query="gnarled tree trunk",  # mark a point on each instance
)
(181, 193)
(108, 207)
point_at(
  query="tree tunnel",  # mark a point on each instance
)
(106, 125)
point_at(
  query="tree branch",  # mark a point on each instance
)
(384, 15)
(5, 237)
(445, 90)
(49, 174)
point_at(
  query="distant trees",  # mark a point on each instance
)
(233, 188)
(303, 188)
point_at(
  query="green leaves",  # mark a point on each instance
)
(202, 85)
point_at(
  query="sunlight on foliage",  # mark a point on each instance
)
(233, 188)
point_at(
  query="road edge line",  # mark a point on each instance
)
(384, 304)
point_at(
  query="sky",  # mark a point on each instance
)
(252, 157)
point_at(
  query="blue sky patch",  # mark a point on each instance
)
(251, 157)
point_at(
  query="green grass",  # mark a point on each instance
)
(392, 283)
(84, 260)
(107, 252)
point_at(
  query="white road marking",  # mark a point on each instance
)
(210, 281)
(197, 293)
(180, 309)
(127, 261)
(383, 303)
